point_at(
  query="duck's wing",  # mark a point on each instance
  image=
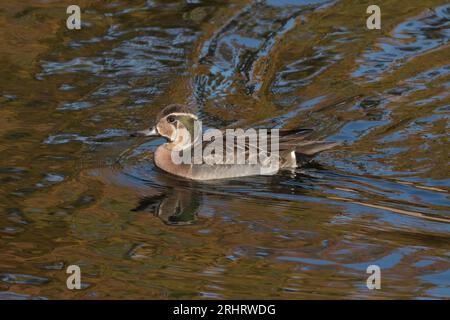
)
(311, 148)
(296, 140)
(288, 140)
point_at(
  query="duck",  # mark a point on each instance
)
(193, 154)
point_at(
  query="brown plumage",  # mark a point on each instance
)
(179, 125)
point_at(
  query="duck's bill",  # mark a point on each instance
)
(145, 133)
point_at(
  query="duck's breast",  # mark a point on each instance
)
(164, 161)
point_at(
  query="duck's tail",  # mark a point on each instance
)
(304, 152)
(311, 148)
(294, 146)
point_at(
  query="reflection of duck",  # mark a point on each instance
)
(183, 130)
(176, 207)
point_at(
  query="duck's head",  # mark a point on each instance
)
(178, 124)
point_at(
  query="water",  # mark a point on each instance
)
(75, 189)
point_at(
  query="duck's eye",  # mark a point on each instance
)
(170, 119)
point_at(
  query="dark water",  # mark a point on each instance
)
(75, 189)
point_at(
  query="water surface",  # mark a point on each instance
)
(76, 189)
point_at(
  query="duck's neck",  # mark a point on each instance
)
(186, 138)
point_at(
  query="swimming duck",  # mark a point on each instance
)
(183, 154)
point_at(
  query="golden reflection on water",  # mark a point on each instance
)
(77, 190)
